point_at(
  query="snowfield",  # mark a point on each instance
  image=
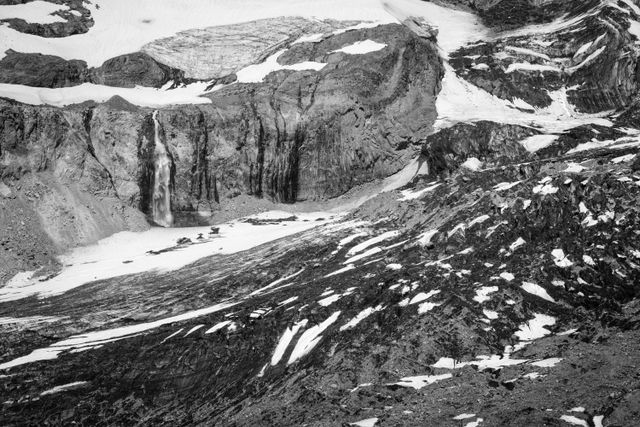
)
(127, 253)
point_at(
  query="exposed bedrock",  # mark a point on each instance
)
(299, 135)
(490, 142)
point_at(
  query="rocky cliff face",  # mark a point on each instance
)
(298, 135)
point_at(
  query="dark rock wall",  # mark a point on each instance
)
(296, 136)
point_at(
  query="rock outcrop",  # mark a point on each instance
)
(490, 142)
(130, 70)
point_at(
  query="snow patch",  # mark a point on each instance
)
(536, 290)
(482, 294)
(257, 72)
(473, 164)
(547, 363)
(310, 338)
(65, 387)
(361, 47)
(360, 317)
(538, 142)
(535, 328)
(560, 259)
(285, 340)
(419, 382)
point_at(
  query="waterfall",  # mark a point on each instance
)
(161, 203)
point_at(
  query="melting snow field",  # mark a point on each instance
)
(126, 253)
